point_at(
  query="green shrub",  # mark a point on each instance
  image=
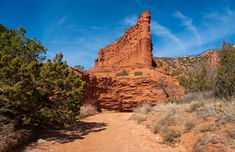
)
(36, 93)
(123, 73)
(226, 72)
(79, 67)
(62, 88)
(138, 73)
(198, 80)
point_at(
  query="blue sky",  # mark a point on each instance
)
(79, 28)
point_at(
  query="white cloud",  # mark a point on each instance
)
(163, 32)
(218, 25)
(130, 20)
(213, 28)
(188, 23)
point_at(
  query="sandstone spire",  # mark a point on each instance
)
(133, 50)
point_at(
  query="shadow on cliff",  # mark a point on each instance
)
(64, 135)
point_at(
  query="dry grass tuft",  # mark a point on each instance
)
(195, 105)
(201, 115)
(189, 125)
(143, 109)
(170, 135)
(210, 127)
(211, 143)
(167, 119)
(164, 107)
(9, 137)
(231, 133)
(138, 118)
(88, 110)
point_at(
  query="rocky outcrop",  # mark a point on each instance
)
(109, 87)
(124, 93)
(133, 50)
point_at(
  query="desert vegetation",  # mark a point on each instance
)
(220, 79)
(199, 122)
(87, 110)
(41, 93)
(138, 73)
(122, 73)
(206, 112)
(34, 92)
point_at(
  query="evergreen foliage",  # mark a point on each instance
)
(79, 67)
(226, 71)
(33, 92)
(198, 81)
(221, 80)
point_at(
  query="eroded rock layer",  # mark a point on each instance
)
(127, 92)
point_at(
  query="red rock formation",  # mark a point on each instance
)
(124, 93)
(132, 50)
(132, 53)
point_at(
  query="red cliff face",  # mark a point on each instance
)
(142, 83)
(133, 50)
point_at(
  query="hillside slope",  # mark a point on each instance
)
(181, 65)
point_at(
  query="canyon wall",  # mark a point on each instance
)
(125, 93)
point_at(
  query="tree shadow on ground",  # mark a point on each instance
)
(65, 135)
(77, 131)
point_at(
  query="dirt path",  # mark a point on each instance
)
(105, 132)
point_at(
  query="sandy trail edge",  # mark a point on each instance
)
(104, 132)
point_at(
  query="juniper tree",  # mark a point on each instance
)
(35, 92)
(226, 71)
